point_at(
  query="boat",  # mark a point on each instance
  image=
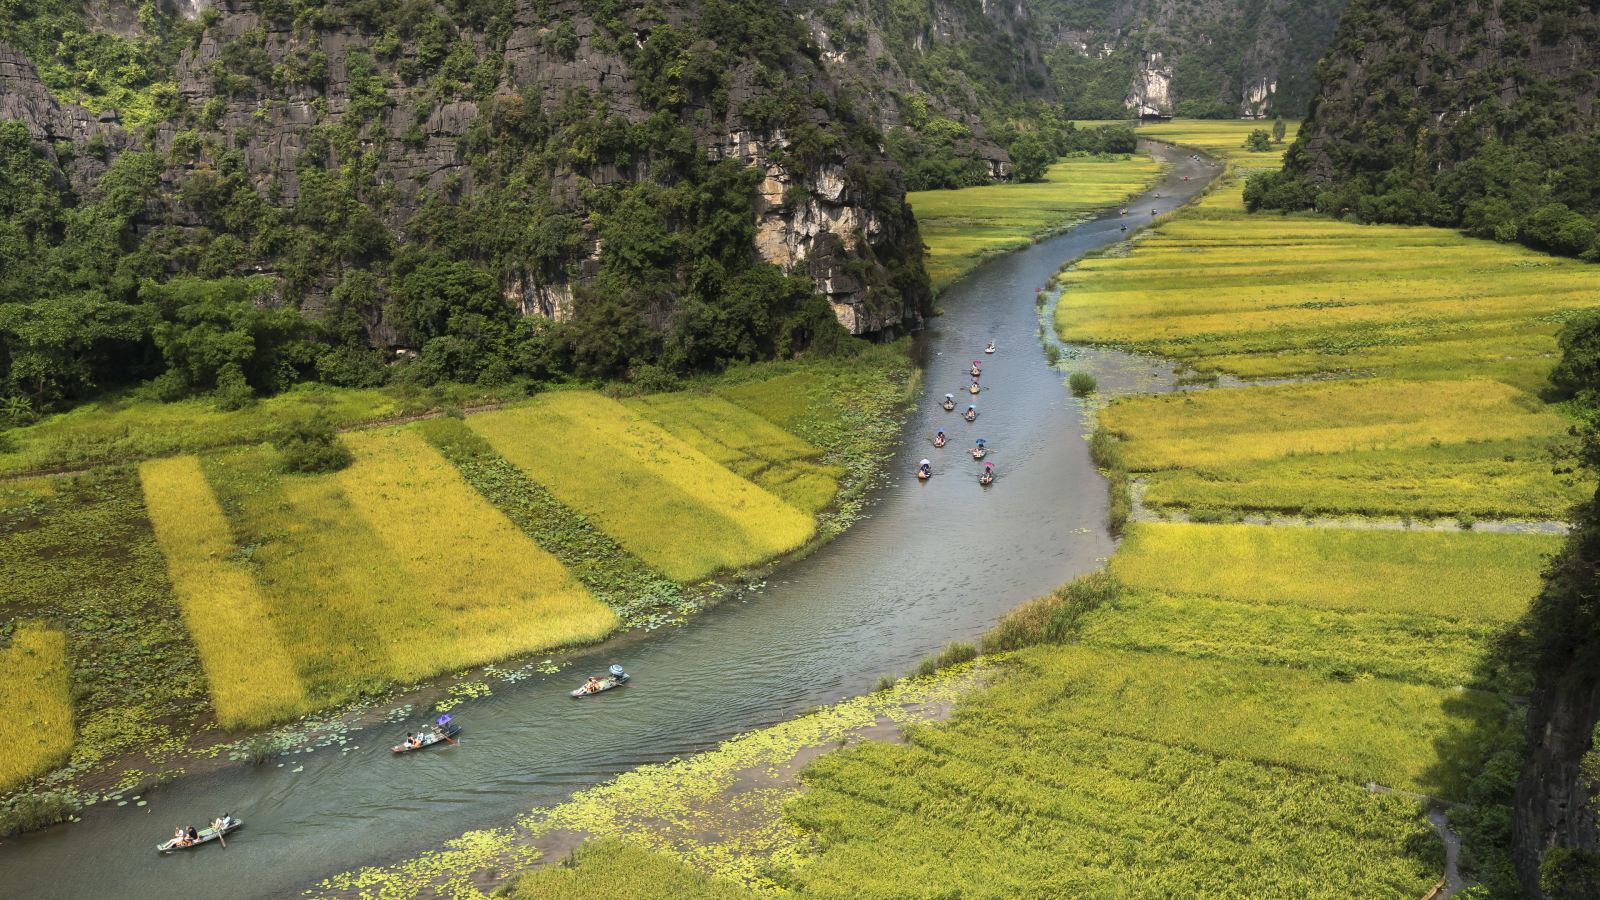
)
(205, 836)
(436, 736)
(939, 441)
(614, 678)
(987, 477)
(974, 388)
(972, 414)
(979, 453)
(949, 402)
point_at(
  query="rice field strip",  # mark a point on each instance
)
(1143, 513)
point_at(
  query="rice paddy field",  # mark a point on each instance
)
(210, 589)
(38, 721)
(1438, 346)
(1222, 138)
(962, 228)
(664, 500)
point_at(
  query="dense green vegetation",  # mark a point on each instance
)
(1514, 161)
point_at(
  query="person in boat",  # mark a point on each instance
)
(592, 685)
(191, 836)
(988, 473)
(938, 439)
(925, 469)
(949, 402)
(179, 836)
(1124, 228)
(972, 413)
(990, 348)
(980, 449)
(975, 370)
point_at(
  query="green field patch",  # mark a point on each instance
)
(1018, 796)
(962, 228)
(37, 729)
(1480, 577)
(747, 444)
(250, 674)
(668, 503)
(1401, 735)
(1341, 645)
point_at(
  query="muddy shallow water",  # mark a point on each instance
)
(929, 563)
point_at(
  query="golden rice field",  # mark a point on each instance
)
(962, 228)
(747, 444)
(1484, 577)
(1267, 296)
(1222, 138)
(394, 569)
(250, 674)
(36, 730)
(1369, 446)
(667, 502)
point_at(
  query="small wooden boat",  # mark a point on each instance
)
(971, 416)
(986, 479)
(433, 737)
(976, 372)
(988, 349)
(979, 453)
(204, 836)
(614, 678)
(974, 388)
(939, 441)
(949, 405)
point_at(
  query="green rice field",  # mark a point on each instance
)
(962, 228)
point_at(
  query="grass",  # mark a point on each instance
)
(1482, 577)
(37, 729)
(365, 591)
(129, 429)
(250, 674)
(962, 228)
(1222, 138)
(614, 868)
(665, 501)
(747, 444)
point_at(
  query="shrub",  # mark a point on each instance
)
(311, 446)
(1082, 384)
(1055, 618)
(1052, 354)
(1106, 451)
(34, 811)
(954, 654)
(1259, 141)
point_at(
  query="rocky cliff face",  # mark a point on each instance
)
(408, 110)
(1214, 58)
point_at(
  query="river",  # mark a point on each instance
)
(929, 563)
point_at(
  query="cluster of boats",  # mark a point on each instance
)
(981, 448)
(442, 730)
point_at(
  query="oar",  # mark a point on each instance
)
(221, 839)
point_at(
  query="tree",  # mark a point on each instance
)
(1031, 157)
(1259, 141)
(1279, 129)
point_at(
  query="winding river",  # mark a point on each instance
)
(930, 563)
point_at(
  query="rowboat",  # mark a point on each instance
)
(204, 836)
(615, 678)
(431, 738)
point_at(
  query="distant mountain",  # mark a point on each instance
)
(1205, 58)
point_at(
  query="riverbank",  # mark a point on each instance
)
(808, 437)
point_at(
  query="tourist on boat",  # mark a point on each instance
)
(979, 451)
(972, 413)
(990, 348)
(925, 469)
(592, 685)
(988, 474)
(180, 837)
(192, 836)
(949, 402)
(938, 439)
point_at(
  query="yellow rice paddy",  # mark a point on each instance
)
(37, 728)
(670, 504)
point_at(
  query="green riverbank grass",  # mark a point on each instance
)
(667, 502)
(962, 228)
(251, 676)
(1479, 577)
(612, 868)
(37, 728)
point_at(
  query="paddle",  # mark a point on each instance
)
(221, 839)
